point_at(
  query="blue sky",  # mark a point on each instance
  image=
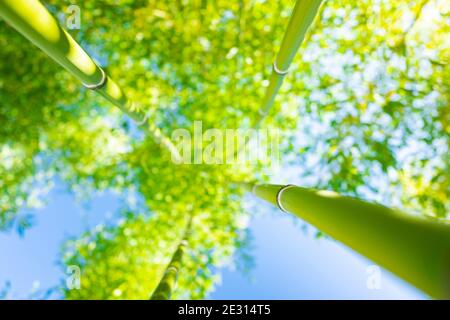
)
(289, 262)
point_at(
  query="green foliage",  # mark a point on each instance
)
(132, 257)
(374, 101)
(364, 111)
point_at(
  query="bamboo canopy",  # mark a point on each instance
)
(168, 282)
(301, 19)
(414, 248)
(34, 22)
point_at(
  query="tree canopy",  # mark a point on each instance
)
(364, 111)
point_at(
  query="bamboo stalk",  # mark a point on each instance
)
(301, 19)
(34, 22)
(414, 248)
(168, 282)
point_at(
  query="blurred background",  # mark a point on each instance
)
(363, 112)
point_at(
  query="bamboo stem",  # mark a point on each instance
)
(301, 19)
(414, 248)
(167, 283)
(34, 22)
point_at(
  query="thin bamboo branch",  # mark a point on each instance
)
(34, 22)
(414, 248)
(168, 282)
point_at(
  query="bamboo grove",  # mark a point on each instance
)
(372, 114)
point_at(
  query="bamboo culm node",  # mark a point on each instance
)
(414, 248)
(31, 19)
(169, 279)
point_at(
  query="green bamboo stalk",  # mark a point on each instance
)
(301, 19)
(414, 248)
(168, 282)
(34, 22)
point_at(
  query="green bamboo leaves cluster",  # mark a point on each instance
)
(33, 20)
(133, 253)
(372, 103)
(414, 248)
